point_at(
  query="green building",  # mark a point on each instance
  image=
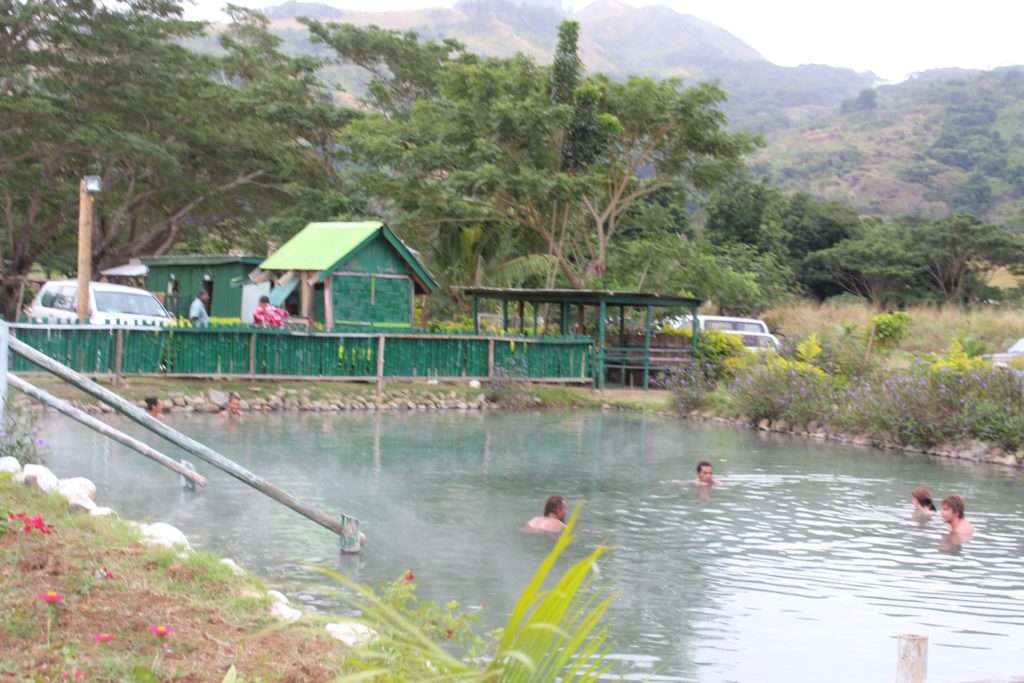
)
(176, 280)
(347, 274)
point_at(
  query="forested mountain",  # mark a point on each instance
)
(615, 39)
(945, 141)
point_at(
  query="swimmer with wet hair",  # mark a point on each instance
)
(952, 510)
(555, 511)
(154, 406)
(704, 474)
(924, 508)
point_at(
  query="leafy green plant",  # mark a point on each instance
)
(890, 329)
(553, 634)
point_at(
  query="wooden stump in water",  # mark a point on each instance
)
(911, 659)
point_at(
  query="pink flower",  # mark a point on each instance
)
(109, 574)
(51, 597)
(35, 523)
(161, 630)
(102, 637)
(78, 674)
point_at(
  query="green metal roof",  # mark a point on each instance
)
(318, 246)
(200, 260)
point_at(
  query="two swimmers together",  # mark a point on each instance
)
(951, 509)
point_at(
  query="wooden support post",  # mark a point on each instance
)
(534, 305)
(329, 305)
(911, 659)
(380, 366)
(694, 329)
(252, 355)
(84, 251)
(490, 358)
(522, 317)
(583, 320)
(346, 527)
(106, 430)
(504, 316)
(564, 318)
(118, 355)
(476, 316)
(647, 348)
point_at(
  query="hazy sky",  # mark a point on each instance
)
(893, 38)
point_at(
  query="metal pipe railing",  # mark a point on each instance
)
(347, 527)
(103, 428)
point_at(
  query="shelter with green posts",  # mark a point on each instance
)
(623, 354)
(176, 280)
(342, 274)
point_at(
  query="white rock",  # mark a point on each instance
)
(352, 633)
(218, 398)
(284, 612)
(78, 484)
(10, 464)
(78, 500)
(278, 596)
(234, 566)
(38, 476)
(101, 512)
(163, 534)
(474, 384)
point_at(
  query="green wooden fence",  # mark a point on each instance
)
(257, 352)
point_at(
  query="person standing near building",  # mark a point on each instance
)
(268, 315)
(197, 313)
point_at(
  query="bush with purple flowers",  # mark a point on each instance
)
(19, 437)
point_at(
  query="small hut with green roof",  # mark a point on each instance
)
(347, 274)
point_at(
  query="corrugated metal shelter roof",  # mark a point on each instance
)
(581, 296)
(200, 260)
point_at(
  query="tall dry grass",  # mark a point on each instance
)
(932, 328)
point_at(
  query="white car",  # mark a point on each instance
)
(109, 304)
(755, 333)
(758, 341)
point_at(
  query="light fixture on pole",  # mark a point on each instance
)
(89, 186)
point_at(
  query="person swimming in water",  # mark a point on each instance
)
(705, 475)
(952, 510)
(555, 510)
(924, 508)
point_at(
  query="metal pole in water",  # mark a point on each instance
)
(911, 659)
(106, 430)
(344, 527)
(4, 354)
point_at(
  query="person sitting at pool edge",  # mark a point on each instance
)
(704, 474)
(953, 514)
(555, 510)
(924, 508)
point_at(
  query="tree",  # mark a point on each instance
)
(488, 149)
(958, 253)
(874, 265)
(181, 141)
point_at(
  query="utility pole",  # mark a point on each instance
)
(89, 186)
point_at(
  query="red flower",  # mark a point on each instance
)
(35, 523)
(51, 597)
(109, 574)
(66, 676)
(20, 515)
(102, 637)
(161, 630)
